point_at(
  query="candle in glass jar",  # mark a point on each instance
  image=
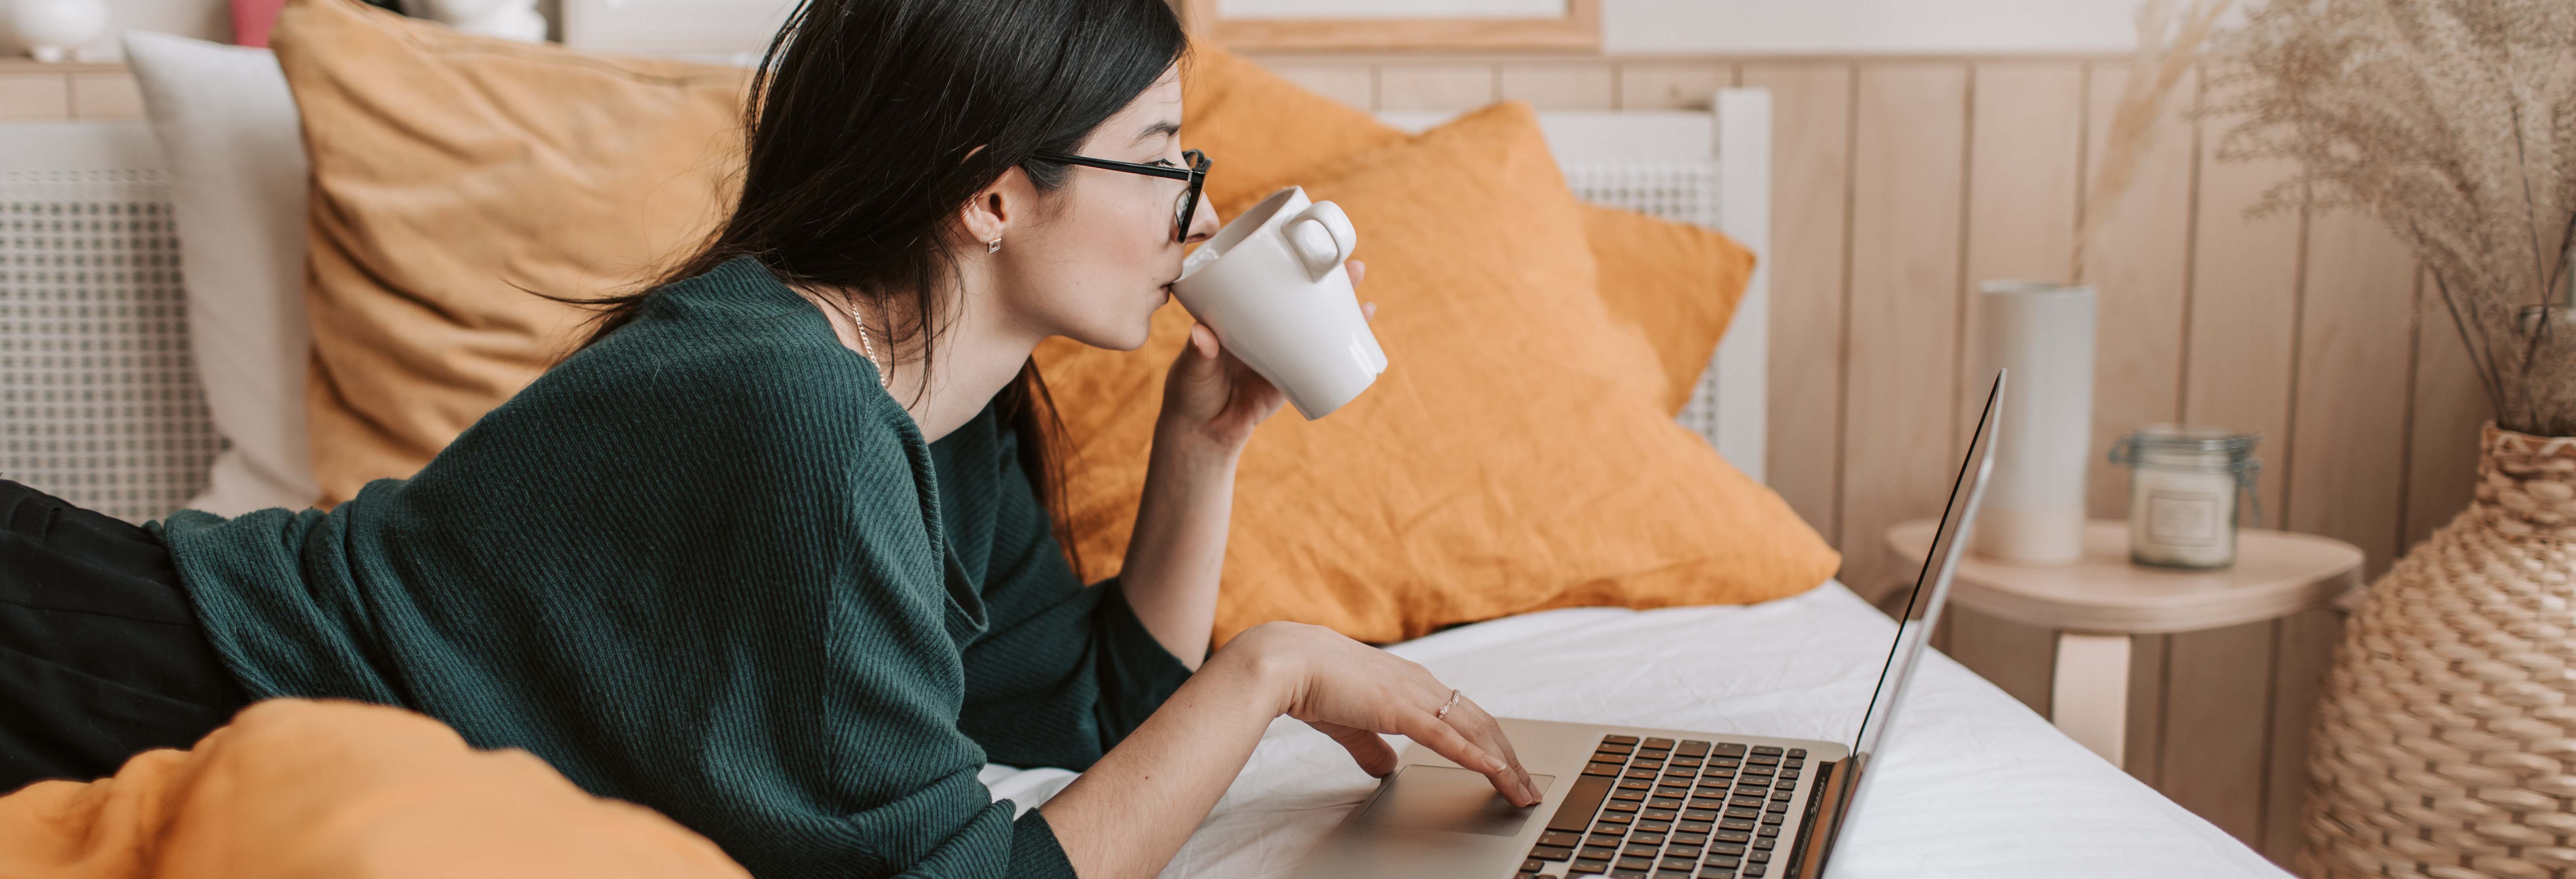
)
(2182, 494)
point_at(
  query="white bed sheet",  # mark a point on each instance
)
(1973, 784)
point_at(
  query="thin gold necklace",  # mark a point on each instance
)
(884, 380)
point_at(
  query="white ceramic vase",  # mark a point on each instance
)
(2043, 332)
(53, 30)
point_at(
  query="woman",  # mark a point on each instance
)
(772, 553)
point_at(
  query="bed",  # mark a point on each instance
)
(1974, 784)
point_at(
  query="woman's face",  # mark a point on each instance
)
(1097, 256)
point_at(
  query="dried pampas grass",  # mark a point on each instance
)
(2169, 46)
(2454, 122)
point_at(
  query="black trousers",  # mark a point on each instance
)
(101, 656)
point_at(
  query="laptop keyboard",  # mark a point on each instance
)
(1659, 808)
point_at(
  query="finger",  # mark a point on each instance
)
(1368, 311)
(1445, 741)
(1357, 269)
(1203, 340)
(1480, 727)
(1372, 753)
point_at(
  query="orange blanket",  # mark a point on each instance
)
(296, 788)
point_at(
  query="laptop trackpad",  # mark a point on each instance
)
(1456, 800)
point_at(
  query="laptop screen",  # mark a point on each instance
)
(1923, 606)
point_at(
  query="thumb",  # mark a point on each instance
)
(1372, 753)
(1203, 341)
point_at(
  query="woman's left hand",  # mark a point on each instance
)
(1210, 395)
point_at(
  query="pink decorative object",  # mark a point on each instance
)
(252, 20)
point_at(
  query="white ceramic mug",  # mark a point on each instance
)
(1273, 287)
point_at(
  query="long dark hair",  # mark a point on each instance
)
(870, 123)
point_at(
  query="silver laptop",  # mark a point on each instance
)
(1643, 803)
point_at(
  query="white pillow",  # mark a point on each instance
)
(238, 175)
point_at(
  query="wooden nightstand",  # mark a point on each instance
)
(2095, 604)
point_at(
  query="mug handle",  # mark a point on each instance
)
(1321, 236)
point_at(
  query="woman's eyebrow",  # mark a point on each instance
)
(1165, 127)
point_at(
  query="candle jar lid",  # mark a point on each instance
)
(2183, 438)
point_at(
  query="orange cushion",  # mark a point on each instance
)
(449, 171)
(292, 789)
(1509, 460)
(1677, 283)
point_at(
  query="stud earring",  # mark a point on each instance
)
(993, 245)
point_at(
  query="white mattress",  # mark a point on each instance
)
(1973, 784)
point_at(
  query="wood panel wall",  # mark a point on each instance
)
(1899, 184)
(30, 91)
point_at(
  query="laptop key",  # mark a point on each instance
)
(1716, 873)
(1636, 863)
(1631, 873)
(1736, 824)
(1733, 836)
(1551, 853)
(1634, 850)
(1635, 784)
(1617, 818)
(1731, 749)
(1728, 861)
(1629, 795)
(1588, 866)
(1657, 814)
(1620, 740)
(1773, 750)
(1783, 794)
(1600, 852)
(1797, 752)
(1532, 866)
(1653, 826)
(1690, 838)
(1773, 819)
(1700, 814)
(1681, 851)
(1693, 827)
(1770, 831)
(1695, 747)
(1580, 802)
(1764, 844)
(1616, 806)
(1567, 838)
(1647, 839)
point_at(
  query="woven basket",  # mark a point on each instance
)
(2445, 743)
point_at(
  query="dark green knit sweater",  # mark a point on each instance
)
(709, 565)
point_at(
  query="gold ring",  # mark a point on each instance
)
(1443, 713)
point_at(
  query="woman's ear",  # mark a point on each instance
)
(998, 207)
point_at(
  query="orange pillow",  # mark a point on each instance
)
(1676, 282)
(449, 171)
(304, 789)
(1509, 460)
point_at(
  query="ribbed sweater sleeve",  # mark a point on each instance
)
(701, 565)
(1034, 696)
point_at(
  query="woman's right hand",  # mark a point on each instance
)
(1353, 692)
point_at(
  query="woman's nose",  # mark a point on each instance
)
(1202, 224)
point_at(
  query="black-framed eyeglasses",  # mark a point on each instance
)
(1195, 174)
